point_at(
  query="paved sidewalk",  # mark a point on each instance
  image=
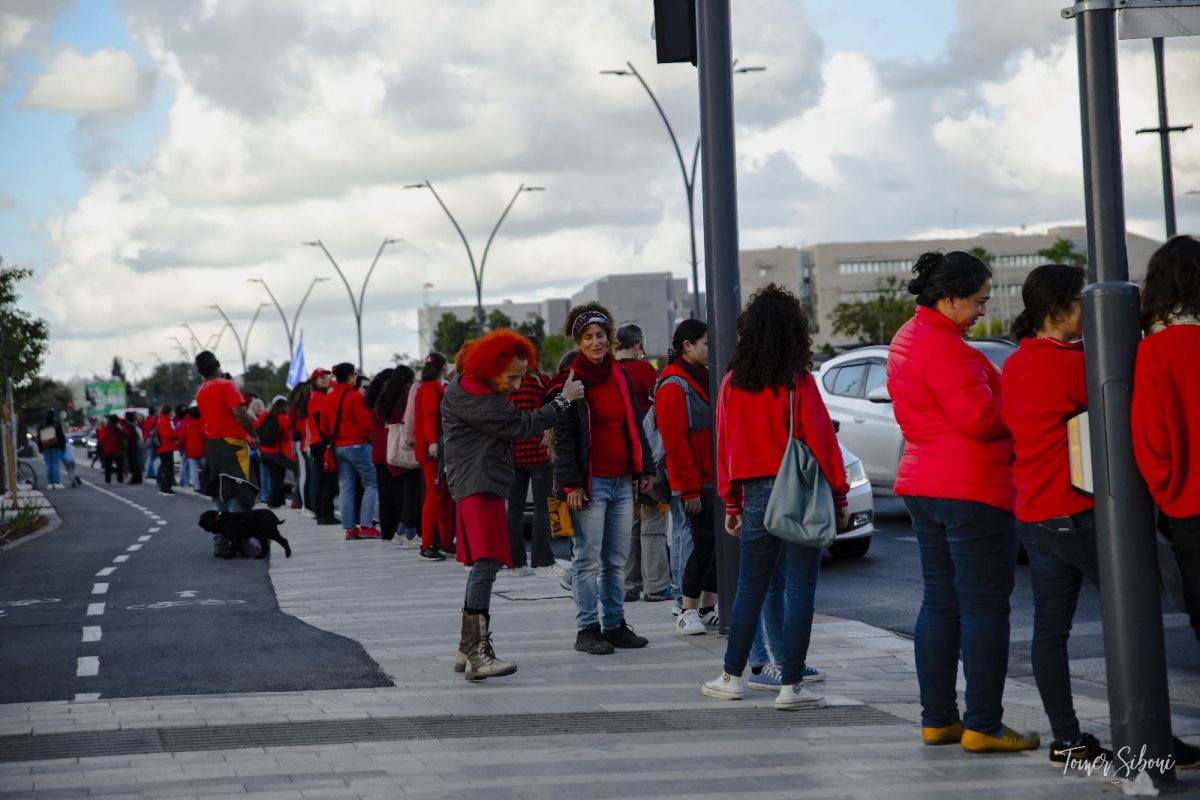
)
(566, 725)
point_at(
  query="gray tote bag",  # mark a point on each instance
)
(801, 506)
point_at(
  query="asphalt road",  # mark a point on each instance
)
(884, 589)
(136, 597)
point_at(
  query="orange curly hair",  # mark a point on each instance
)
(488, 357)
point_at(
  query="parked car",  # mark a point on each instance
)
(854, 386)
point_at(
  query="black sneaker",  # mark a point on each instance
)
(1186, 756)
(327, 521)
(432, 554)
(1085, 750)
(631, 596)
(624, 636)
(449, 549)
(592, 641)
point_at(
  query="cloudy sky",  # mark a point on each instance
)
(156, 155)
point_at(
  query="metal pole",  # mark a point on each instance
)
(1139, 705)
(1164, 138)
(713, 44)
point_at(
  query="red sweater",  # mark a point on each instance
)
(689, 455)
(611, 453)
(355, 425)
(946, 396)
(195, 443)
(1166, 418)
(643, 376)
(1043, 385)
(168, 442)
(752, 433)
(428, 408)
(283, 445)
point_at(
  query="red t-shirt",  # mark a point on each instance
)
(611, 454)
(1043, 385)
(643, 376)
(216, 399)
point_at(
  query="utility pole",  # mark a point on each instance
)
(291, 329)
(1164, 131)
(243, 344)
(1135, 658)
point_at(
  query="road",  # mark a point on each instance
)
(126, 600)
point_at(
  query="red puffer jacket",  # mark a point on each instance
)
(689, 453)
(946, 396)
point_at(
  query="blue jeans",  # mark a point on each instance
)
(352, 459)
(766, 647)
(53, 458)
(1058, 563)
(197, 470)
(185, 465)
(968, 557)
(681, 546)
(762, 555)
(602, 534)
(151, 462)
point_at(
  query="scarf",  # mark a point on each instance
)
(694, 371)
(1174, 319)
(589, 374)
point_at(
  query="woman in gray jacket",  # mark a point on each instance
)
(480, 425)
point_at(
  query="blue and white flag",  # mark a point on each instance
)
(296, 372)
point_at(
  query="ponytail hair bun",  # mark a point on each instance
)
(923, 269)
(1023, 326)
(953, 274)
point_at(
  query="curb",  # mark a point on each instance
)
(53, 523)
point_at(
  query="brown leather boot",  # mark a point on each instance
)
(464, 639)
(481, 658)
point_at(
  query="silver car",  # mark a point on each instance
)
(854, 386)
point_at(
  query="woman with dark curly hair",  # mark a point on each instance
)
(767, 389)
(480, 425)
(1166, 424)
(599, 451)
(956, 478)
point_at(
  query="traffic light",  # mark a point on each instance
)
(675, 31)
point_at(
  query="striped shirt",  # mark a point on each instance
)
(528, 397)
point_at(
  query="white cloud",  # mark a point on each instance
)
(105, 81)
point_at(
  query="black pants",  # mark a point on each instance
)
(112, 464)
(410, 512)
(700, 574)
(135, 465)
(391, 500)
(1184, 536)
(326, 484)
(278, 475)
(541, 477)
(166, 471)
(310, 482)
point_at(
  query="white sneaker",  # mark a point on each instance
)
(798, 695)
(689, 623)
(551, 571)
(519, 572)
(726, 687)
(711, 619)
(411, 544)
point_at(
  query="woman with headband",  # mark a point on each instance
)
(599, 451)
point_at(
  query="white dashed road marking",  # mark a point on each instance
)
(133, 548)
(91, 633)
(145, 538)
(86, 697)
(104, 573)
(89, 666)
(154, 530)
(100, 588)
(120, 559)
(95, 609)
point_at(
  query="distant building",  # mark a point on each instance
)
(824, 275)
(656, 301)
(552, 311)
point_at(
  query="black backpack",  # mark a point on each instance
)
(268, 431)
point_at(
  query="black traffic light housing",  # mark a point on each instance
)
(675, 31)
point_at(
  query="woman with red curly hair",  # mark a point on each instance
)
(480, 425)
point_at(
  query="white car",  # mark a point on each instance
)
(854, 387)
(856, 539)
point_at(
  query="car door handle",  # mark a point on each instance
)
(857, 418)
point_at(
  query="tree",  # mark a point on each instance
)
(452, 333)
(1063, 252)
(118, 370)
(23, 337)
(552, 350)
(983, 255)
(265, 380)
(878, 319)
(171, 382)
(535, 330)
(408, 361)
(498, 319)
(44, 392)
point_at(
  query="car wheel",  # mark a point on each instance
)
(851, 548)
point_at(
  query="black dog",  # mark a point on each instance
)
(237, 526)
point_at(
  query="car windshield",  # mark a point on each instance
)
(997, 352)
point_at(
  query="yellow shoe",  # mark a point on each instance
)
(951, 734)
(1010, 742)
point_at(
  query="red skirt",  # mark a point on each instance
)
(483, 529)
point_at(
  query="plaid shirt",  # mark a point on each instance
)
(528, 397)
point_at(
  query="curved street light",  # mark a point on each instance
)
(357, 305)
(243, 344)
(477, 272)
(291, 329)
(689, 177)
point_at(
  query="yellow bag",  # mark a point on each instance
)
(561, 525)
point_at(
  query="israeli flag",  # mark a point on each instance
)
(296, 373)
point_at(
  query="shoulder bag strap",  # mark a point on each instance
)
(337, 420)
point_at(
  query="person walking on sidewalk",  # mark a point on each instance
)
(437, 510)
(532, 478)
(767, 393)
(956, 479)
(51, 442)
(1043, 384)
(1166, 416)
(346, 426)
(168, 443)
(600, 452)
(684, 415)
(480, 425)
(648, 570)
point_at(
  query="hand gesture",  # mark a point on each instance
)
(572, 389)
(576, 498)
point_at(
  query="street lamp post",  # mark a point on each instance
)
(689, 178)
(243, 344)
(357, 305)
(477, 272)
(1164, 131)
(183, 351)
(291, 329)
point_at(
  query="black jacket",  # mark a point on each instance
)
(573, 442)
(478, 431)
(60, 438)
